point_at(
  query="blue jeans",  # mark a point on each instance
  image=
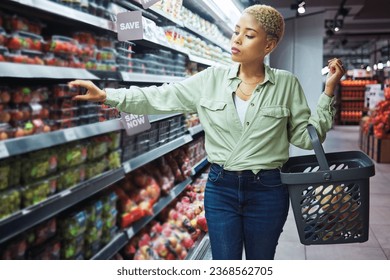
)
(245, 209)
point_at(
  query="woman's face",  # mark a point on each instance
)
(249, 41)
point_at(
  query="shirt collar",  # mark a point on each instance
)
(269, 74)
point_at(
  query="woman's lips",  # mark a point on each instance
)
(235, 51)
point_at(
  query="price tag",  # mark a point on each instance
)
(65, 193)
(70, 134)
(187, 138)
(147, 3)
(127, 167)
(3, 150)
(130, 232)
(25, 211)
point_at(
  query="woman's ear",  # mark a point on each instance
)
(271, 44)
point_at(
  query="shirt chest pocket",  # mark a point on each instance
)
(214, 112)
(273, 118)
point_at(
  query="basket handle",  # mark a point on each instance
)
(318, 149)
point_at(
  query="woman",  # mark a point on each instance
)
(250, 113)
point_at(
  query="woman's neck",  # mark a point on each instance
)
(250, 72)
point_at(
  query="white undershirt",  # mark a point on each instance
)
(241, 107)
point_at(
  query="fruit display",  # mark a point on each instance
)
(10, 202)
(175, 231)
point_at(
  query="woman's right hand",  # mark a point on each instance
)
(93, 94)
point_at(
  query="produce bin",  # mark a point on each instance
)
(329, 194)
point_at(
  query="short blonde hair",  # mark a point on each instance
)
(269, 19)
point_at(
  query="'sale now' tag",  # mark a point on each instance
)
(129, 26)
(135, 124)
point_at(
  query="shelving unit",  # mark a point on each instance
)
(29, 217)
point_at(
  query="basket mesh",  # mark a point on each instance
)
(330, 213)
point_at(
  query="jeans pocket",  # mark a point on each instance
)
(270, 178)
(214, 174)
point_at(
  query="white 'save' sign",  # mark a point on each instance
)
(135, 123)
(129, 26)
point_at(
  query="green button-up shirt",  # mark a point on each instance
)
(278, 114)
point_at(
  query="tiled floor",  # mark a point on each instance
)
(343, 138)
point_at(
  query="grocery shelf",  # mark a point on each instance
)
(158, 207)
(25, 71)
(64, 11)
(198, 167)
(149, 78)
(110, 249)
(203, 60)
(206, 37)
(195, 129)
(201, 249)
(147, 157)
(33, 215)
(17, 146)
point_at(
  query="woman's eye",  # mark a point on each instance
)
(250, 37)
(235, 32)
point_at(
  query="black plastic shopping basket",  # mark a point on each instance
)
(329, 194)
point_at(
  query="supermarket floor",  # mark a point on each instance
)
(344, 138)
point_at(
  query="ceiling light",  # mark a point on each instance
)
(380, 66)
(299, 6)
(388, 63)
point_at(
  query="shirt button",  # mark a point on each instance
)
(252, 104)
(258, 90)
(247, 123)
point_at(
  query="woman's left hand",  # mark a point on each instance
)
(336, 71)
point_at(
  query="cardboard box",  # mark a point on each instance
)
(381, 150)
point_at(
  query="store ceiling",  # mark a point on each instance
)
(366, 27)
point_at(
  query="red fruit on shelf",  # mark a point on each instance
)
(14, 43)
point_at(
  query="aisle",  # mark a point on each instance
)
(343, 138)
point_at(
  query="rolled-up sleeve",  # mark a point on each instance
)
(301, 116)
(177, 97)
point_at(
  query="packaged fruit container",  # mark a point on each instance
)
(105, 54)
(35, 193)
(38, 164)
(109, 202)
(74, 225)
(114, 140)
(10, 202)
(14, 250)
(5, 95)
(24, 40)
(71, 155)
(49, 251)
(62, 45)
(3, 36)
(43, 232)
(108, 234)
(94, 211)
(4, 173)
(64, 113)
(97, 147)
(15, 165)
(63, 90)
(96, 168)
(111, 218)
(88, 109)
(72, 248)
(114, 159)
(70, 178)
(6, 130)
(63, 123)
(94, 232)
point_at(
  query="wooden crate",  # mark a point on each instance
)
(381, 150)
